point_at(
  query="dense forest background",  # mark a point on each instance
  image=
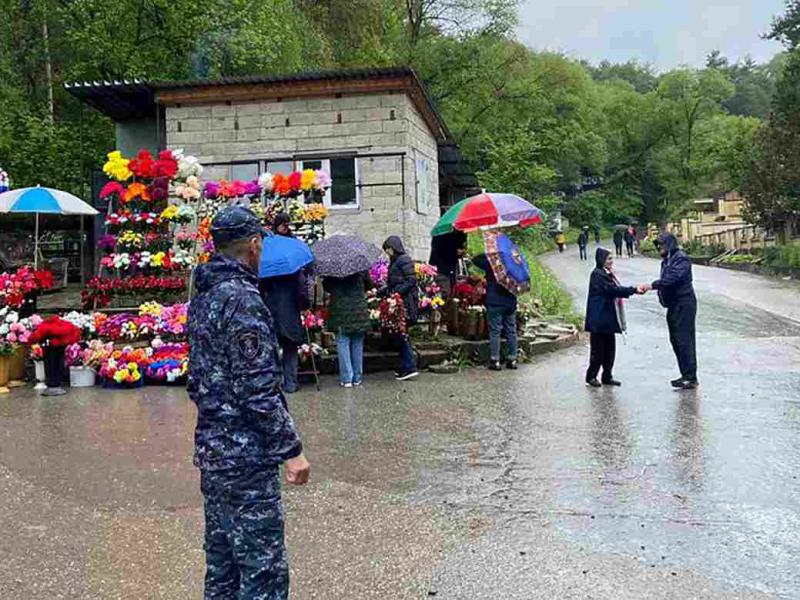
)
(605, 142)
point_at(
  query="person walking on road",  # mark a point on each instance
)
(244, 429)
(605, 318)
(596, 234)
(501, 313)
(583, 242)
(287, 296)
(630, 240)
(676, 294)
(618, 237)
(348, 316)
(402, 280)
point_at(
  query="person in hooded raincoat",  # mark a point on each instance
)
(244, 428)
(605, 318)
(618, 239)
(676, 294)
(402, 280)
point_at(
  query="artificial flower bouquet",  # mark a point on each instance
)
(55, 332)
(102, 290)
(379, 272)
(23, 284)
(88, 354)
(306, 351)
(168, 363)
(123, 368)
(393, 315)
(313, 321)
(15, 331)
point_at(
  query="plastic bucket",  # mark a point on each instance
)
(80, 377)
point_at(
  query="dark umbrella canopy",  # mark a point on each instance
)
(344, 255)
(508, 264)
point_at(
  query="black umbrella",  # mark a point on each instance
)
(344, 255)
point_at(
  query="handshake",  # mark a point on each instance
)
(643, 288)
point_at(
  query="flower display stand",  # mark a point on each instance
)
(17, 367)
(5, 367)
(38, 366)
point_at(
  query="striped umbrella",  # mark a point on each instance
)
(41, 200)
(486, 211)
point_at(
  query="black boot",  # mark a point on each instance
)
(612, 382)
(512, 364)
(593, 383)
(494, 365)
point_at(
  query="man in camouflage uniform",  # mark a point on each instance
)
(244, 429)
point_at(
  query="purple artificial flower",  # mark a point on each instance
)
(107, 242)
(211, 189)
(251, 188)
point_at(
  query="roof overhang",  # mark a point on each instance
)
(124, 100)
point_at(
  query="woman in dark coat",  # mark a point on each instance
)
(286, 297)
(402, 279)
(348, 316)
(605, 318)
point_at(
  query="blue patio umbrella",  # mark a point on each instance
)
(42, 200)
(283, 256)
(508, 264)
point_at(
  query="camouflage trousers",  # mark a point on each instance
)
(245, 553)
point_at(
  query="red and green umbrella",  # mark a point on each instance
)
(486, 211)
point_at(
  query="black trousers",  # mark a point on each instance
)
(681, 322)
(629, 248)
(584, 254)
(602, 352)
(618, 248)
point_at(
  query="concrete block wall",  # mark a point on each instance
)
(317, 127)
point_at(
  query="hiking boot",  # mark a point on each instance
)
(494, 365)
(593, 383)
(512, 364)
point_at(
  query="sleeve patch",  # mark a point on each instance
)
(249, 343)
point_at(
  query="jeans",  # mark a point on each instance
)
(603, 351)
(681, 322)
(289, 362)
(407, 363)
(351, 357)
(244, 540)
(502, 320)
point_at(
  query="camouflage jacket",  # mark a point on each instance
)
(234, 373)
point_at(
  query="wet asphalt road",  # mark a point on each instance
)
(478, 485)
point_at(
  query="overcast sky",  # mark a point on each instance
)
(665, 33)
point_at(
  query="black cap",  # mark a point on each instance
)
(235, 223)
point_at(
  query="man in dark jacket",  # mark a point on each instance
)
(244, 429)
(605, 318)
(286, 297)
(446, 251)
(583, 242)
(402, 279)
(676, 294)
(618, 238)
(501, 313)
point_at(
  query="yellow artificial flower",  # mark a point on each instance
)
(151, 308)
(307, 179)
(117, 166)
(158, 259)
(170, 212)
(315, 212)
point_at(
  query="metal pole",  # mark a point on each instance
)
(83, 243)
(36, 244)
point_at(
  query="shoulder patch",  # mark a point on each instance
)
(249, 343)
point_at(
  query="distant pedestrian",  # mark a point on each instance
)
(348, 316)
(597, 234)
(244, 428)
(583, 242)
(402, 280)
(501, 313)
(605, 318)
(561, 241)
(618, 237)
(676, 294)
(630, 240)
(446, 252)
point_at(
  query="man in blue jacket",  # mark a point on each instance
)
(676, 294)
(244, 429)
(501, 313)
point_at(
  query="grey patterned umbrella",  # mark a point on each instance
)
(344, 255)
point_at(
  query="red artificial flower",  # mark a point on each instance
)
(295, 181)
(143, 165)
(44, 279)
(55, 331)
(280, 185)
(112, 187)
(166, 165)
